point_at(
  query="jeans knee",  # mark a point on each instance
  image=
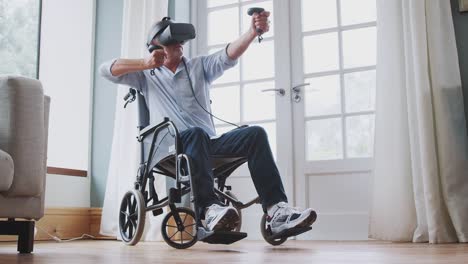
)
(258, 131)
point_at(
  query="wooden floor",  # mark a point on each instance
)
(241, 252)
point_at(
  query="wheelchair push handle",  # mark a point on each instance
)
(130, 97)
(257, 10)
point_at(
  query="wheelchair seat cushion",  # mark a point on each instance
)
(222, 165)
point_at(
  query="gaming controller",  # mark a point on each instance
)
(257, 10)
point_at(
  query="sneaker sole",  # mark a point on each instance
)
(309, 220)
(229, 221)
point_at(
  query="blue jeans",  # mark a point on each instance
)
(250, 142)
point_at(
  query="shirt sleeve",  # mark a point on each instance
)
(136, 80)
(215, 64)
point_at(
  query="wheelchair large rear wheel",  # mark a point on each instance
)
(132, 217)
(266, 233)
(181, 237)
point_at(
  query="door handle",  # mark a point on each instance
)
(280, 91)
(297, 92)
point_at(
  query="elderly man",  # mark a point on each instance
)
(166, 79)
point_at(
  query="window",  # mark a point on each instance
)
(238, 93)
(19, 37)
(337, 40)
(339, 57)
(69, 82)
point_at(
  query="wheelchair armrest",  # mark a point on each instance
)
(156, 128)
(145, 132)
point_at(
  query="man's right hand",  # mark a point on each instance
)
(155, 59)
(124, 66)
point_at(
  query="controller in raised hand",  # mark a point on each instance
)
(257, 10)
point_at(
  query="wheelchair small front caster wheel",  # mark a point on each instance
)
(266, 233)
(132, 217)
(180, 236)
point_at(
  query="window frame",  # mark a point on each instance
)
(39, 40)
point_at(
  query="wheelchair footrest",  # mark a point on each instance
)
(158, 212)
(219, 237)
(291, 232)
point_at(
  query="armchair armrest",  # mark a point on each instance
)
(7, 169)
(23, 133)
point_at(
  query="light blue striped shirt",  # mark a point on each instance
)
(168, 94)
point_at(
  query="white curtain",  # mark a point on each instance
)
(138, 17)
(420, 190)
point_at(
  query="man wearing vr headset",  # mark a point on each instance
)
(178, 88)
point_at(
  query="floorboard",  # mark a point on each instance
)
(315, 252)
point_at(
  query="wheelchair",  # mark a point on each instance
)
(181, 227)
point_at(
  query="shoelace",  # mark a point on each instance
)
(288, 209)
(284, 209)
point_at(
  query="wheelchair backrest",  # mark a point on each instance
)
(143, 112)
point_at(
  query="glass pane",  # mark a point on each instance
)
(323, 96)
(318, 14)
(359, 47)
(223, 26)
(360, 91)
(226, 104)
(360, 136)
(270, 129)
(258, 62)
(231, 75)
(321, 52)
(246, 19)
(355, 12)
(213, 3)
(324, 139)
(259, 105)
(19, 27)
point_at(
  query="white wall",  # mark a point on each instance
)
(66, 72)
(67, 191)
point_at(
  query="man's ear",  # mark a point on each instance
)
(155, 42)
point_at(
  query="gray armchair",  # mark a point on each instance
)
(24, 115)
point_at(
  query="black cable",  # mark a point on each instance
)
(196, 99)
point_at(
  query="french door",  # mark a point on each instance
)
(311, 84)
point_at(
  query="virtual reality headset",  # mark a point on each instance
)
(167, 32)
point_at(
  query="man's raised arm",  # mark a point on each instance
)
(238, 47)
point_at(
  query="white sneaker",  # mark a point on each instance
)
(219, 217)
(281, 217)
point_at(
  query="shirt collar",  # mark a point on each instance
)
(180, 67)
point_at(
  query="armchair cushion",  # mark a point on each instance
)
(6, 171)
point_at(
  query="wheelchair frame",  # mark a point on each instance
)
(135, 202)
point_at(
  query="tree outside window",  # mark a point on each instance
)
(19, 37)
